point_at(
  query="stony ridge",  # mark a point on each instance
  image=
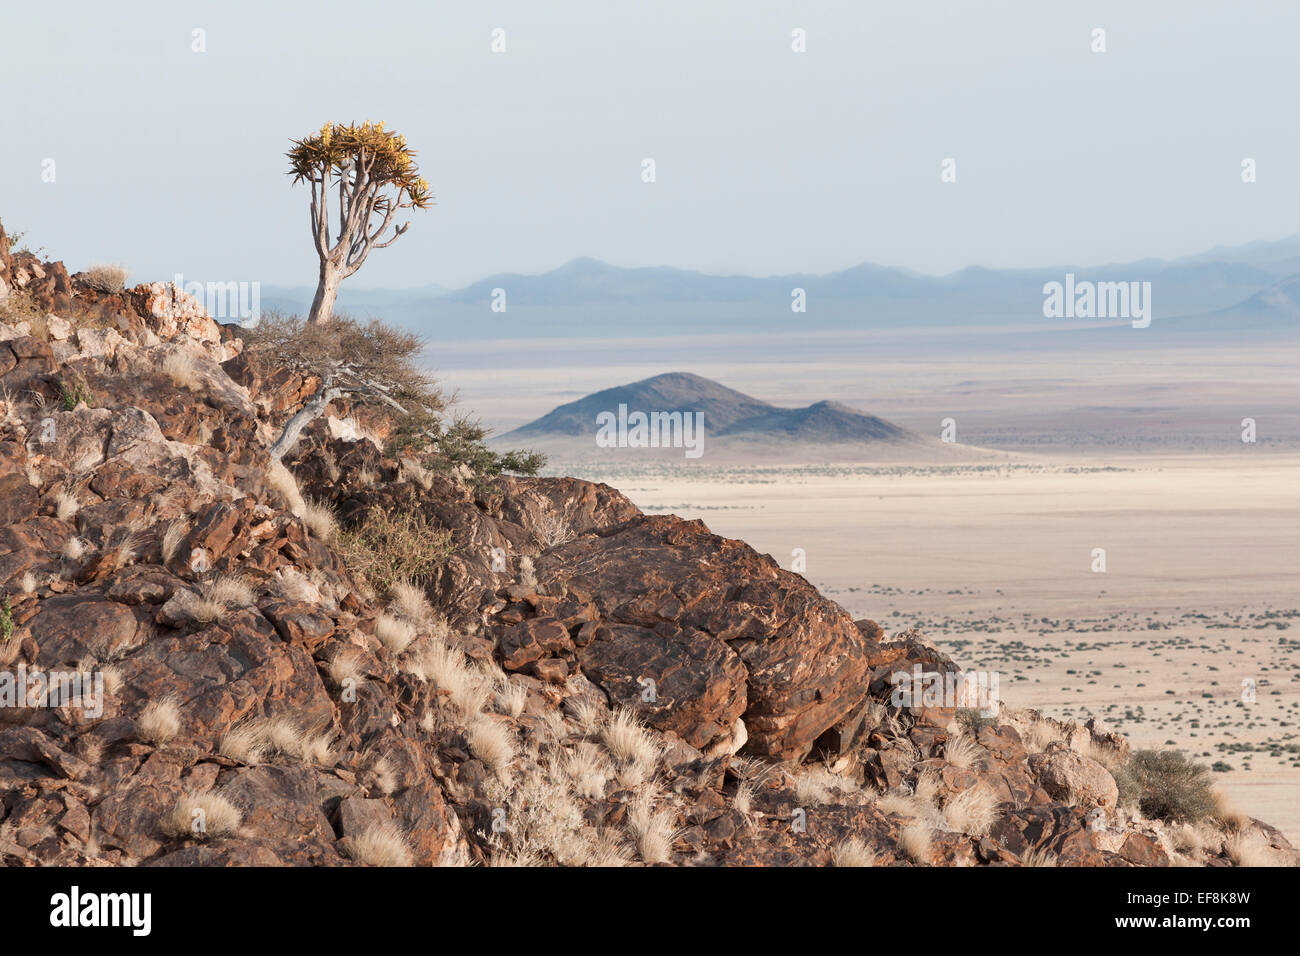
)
(494, 715)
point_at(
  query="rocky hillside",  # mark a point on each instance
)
(355, 657)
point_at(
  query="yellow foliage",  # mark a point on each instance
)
(340, 146)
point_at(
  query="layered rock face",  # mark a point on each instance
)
(577, 682)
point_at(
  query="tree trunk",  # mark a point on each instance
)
(327, 289)
(308, 414)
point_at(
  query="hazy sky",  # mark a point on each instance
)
(767, 160)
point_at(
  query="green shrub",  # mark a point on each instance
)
(1165, 785)
(73, 393)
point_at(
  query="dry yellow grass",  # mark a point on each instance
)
(653, 830)
(280, 478)
(1036, 857)
(160, 721)
(245, 743)
(511, 698)
(961, 751)
(180, 367)
(74, 549)
(409, 601)
(1250, 848)
(818, 786)
(854, 852)
(636, 752)
(66, 505)
(254, 739)
(914, 841)
(972, 811)
(220, 593)
(172, 539)
(318, 517)
(491, 742)
(394, 633)
(380, 844)
(203, 816)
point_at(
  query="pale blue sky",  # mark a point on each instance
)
(768, 161)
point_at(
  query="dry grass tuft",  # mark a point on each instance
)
(1250, 848)
(254, 739)
(926, 788)
(244, 743)
(172, 539)
(653, 830)
(160, 721)
(220, 593)
(66, 505)
(972, 811)
(634, 750)
(491, 742)
(318, 517)
(180, 367)
(961, 751)
(1036, 857)
(914, 841)
(203, 816)
(587, 770)
(395, 633)
(106, 278)
(74, 549)
(512, 698)
(854, 852)
(903, 804)
(380, 844)
(280, 478)
(819, 786)
(410, 602)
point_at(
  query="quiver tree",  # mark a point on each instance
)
(373, 173)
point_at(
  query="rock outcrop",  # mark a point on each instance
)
(576, 682)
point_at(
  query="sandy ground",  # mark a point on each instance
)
(995, 562)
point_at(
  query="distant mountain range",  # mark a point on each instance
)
(1249, 287)
(730, 420)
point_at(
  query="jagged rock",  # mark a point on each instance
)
(805, 661)
(679, 680)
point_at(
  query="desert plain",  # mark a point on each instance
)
(1187, 637)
